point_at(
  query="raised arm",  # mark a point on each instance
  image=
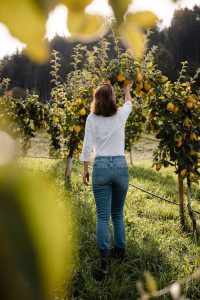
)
(125, 110)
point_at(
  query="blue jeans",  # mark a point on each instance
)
(110, 180)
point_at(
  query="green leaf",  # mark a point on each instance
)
(81, 24)
(144, 19)
(26, 20)
(119, 8)
(76, 5)
(150, 281)
(133, 38)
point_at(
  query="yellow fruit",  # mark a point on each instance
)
(142, 94)
(193, 137)
(18, 129)
(191, 176)
(107, 81)
(176, 109)
(189, 105)
(78, 101)
(137, 90)
(77, 128)
(139, 77)
(147, 86)
(158, 166)
(183, 172)
(83, 112)
(191, 99)
(120, 77)
(178, 137)
(193, 152)
(170, 106)
(179, 143)
(186, 122)
(140, 86)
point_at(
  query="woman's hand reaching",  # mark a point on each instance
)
(127, 89)
(128, 86)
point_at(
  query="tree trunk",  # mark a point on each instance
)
(191, 213)
(68, 168)
(181, 201)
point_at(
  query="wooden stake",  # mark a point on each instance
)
(181, 200)
(191, 213)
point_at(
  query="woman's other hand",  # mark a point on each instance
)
(86, 175)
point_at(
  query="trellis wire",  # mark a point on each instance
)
(130, 184)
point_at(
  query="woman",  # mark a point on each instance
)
(105, 133)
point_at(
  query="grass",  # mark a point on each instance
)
(155, 241)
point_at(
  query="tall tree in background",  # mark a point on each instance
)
(179, 42)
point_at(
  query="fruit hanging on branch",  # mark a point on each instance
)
(177, 116)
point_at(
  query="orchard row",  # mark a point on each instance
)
(171, 110)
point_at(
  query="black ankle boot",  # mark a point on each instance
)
(99, 274)
(118, 253)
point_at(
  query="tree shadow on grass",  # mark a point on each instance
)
(143, 253)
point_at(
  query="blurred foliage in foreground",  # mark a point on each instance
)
(35, 232)
(176, 44)
(26, 20)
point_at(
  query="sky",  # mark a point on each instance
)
(56, 23)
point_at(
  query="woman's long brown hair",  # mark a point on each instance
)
(104, 102)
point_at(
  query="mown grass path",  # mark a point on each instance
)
(155, 241)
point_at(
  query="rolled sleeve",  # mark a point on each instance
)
(126, 110)
(88, 141)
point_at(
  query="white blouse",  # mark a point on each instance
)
(105, 135)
